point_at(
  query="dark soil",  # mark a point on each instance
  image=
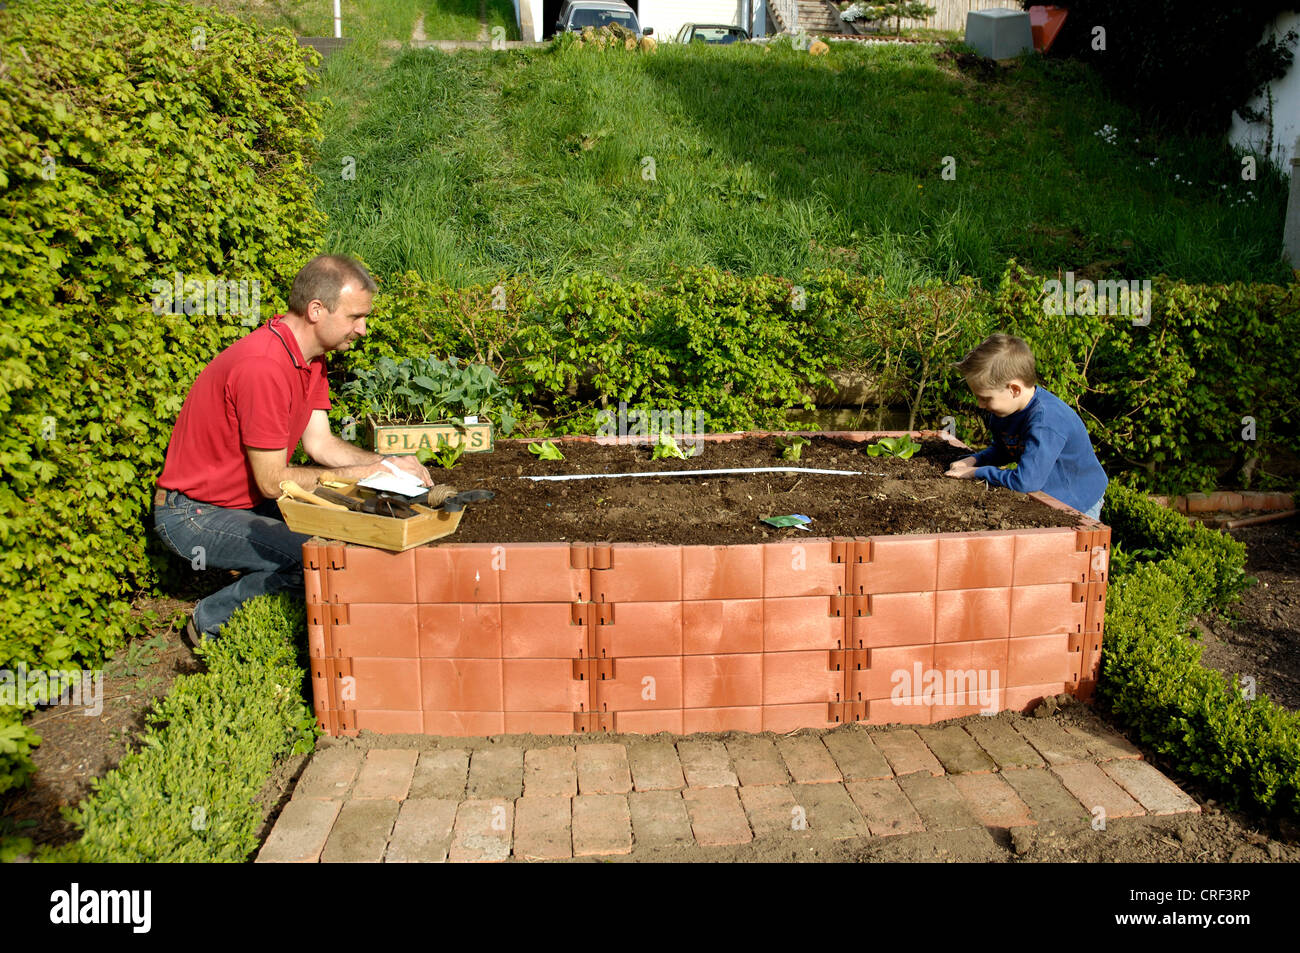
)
(890, 497)
(1259, 637)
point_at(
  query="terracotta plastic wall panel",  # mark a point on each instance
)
(988, 656)
(639, 574)
(649, 722)
(722, 681)
(643, 684)
(643, 628)
(461, 684)
(896, 618)
(975, 562)
(722, 627)
(972, 614)
(1021, 698)
(1042, 610)
(793, 624)
(466, 723)
(373, 575)
(897, 564)
(800, 678)
(540, 630)
(391, 722)
(380, 631)
(541, 572)
(543, 685)
(385, 683)
(801, 569)
(722, 572)
(460, 573)
(464, 630)
(538, 723)
(1038, 659)
(315, 631)
(786, 718)
(722, 719)
(902, 711)
(889, 668)
(1048, 556)
(983, 703)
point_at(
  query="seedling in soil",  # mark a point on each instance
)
(546, 450)
(445, 457)
(902, 447)
(792, 449)
(666, 447)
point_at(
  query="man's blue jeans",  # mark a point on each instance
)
(1095, 512)
(216, 537)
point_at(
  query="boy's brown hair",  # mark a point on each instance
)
(1000, 359)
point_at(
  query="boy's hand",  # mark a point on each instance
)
(963, 469)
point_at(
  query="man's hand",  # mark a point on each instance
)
(963, 469)
(412, 465)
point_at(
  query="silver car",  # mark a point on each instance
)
(576, 15)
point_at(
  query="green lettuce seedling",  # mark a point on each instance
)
(666, 446)
(546, 450)
(902, 447)
(793, 449)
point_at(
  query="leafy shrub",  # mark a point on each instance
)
(91, 379)
(190, 793)
(426, 388)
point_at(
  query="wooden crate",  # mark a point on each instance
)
(367, 529)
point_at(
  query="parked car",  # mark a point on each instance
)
(715, 33)
(576, 15)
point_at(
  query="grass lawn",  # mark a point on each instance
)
(475, 164)
(375, 20)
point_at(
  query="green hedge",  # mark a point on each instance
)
(1247, 751)
(138, 140)
(190, 793)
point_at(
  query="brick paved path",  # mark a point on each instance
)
(515, 800)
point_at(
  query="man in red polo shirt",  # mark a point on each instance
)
(238, 429)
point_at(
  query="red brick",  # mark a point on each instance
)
(1052, 741)
(855, 755)
(906, 752)
(483, 831)
(993, 800)
(458, 630)
(884, 807)
(603, 769)
(722, 627)
(659, 819)
(808, 760)
(1104, 744)
(706, 764)
(655, 766)
(422, 833)
(386, 774)
(496, 772)
(1055, 808)
(957, 751)
(756, 761)
(1003, 744)
(1094, 788)
(770, 808)
(360, 834)
(717, 818)
(300, 832)
(441, 774)
(830, 811)
(602, 824)
(550, 772)
(1156, 793)
(940, 805)
(330, 772)
(543, 829)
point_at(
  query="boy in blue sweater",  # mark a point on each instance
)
(1031, 426)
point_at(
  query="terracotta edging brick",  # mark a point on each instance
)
(572, 637)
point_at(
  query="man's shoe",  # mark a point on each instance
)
(192, 634)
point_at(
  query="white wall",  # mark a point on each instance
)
(528, 14)
(667, 16)
(1286, 106)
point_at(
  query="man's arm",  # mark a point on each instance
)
(348, 461)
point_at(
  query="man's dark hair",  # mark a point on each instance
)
(323, 278)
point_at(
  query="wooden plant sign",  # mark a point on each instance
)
(397, 439)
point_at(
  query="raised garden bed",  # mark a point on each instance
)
(694, 616)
